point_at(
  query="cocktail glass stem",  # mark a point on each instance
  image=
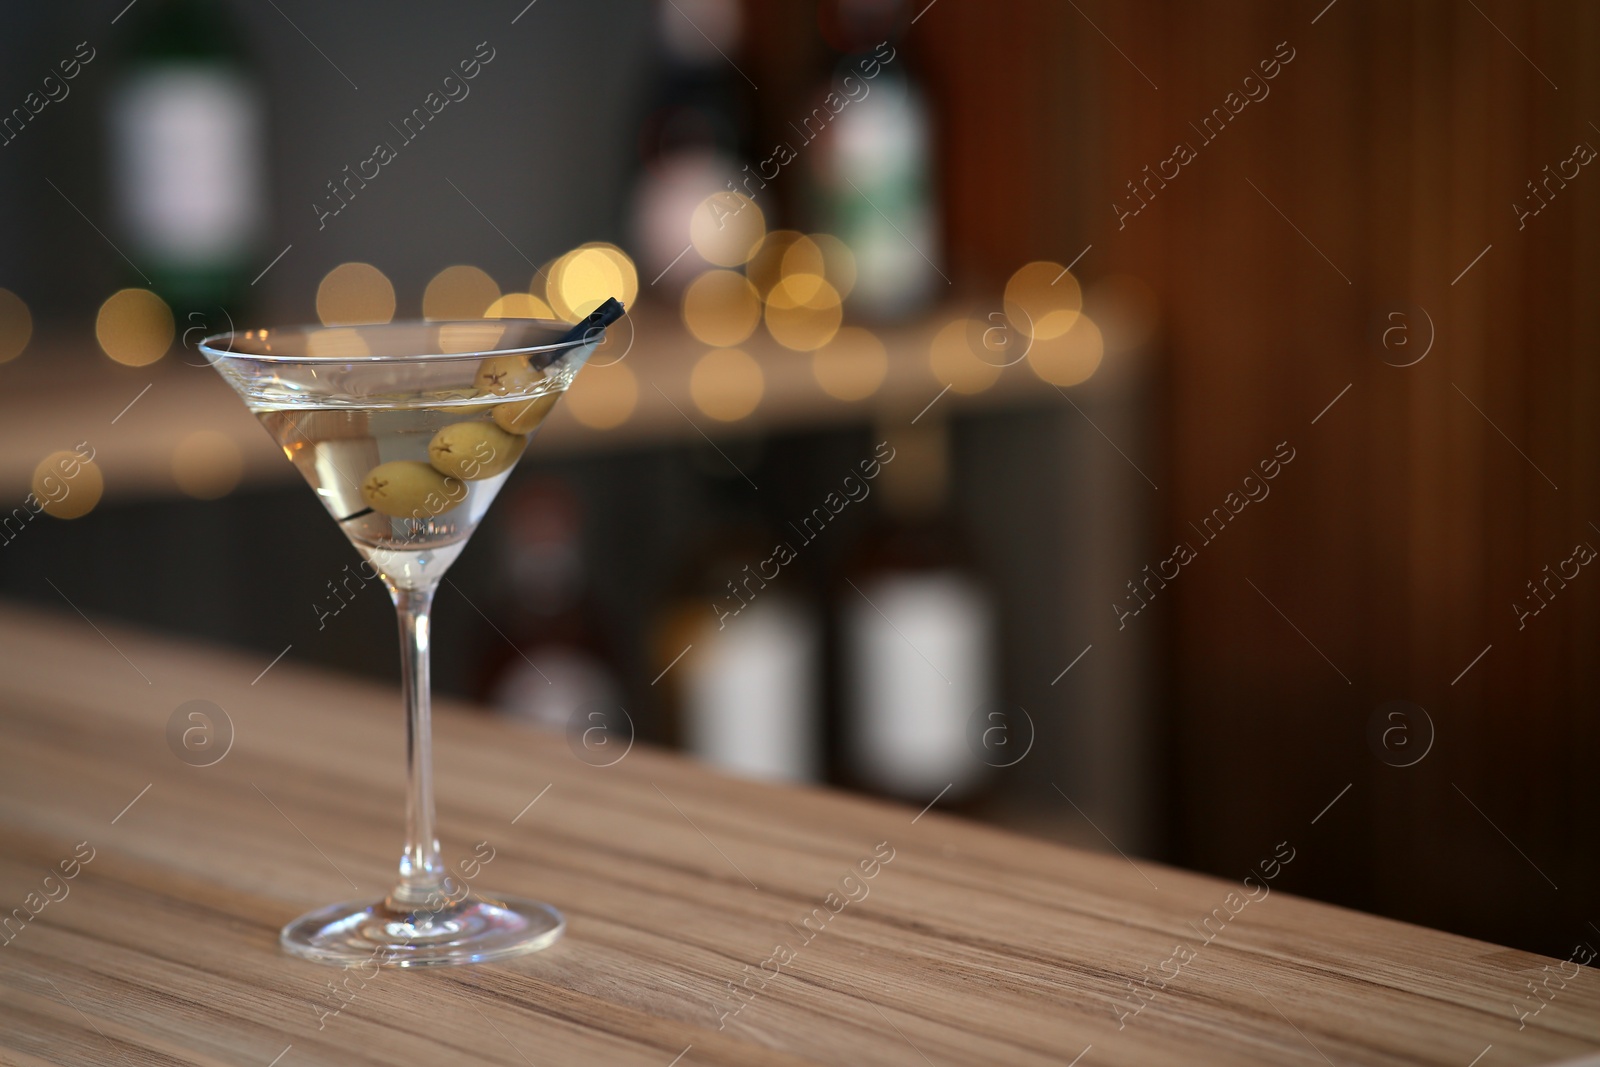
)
(422, 874)
(429, 918)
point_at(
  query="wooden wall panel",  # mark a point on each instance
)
(1408, 524)
(1395, 142)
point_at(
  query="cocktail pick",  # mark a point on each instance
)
(593, 326)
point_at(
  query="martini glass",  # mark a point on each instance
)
(406, 431)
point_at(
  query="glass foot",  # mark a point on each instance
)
(475, 931)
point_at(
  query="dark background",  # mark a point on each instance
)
(1213, 727)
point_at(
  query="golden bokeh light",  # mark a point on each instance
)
(765, 269)
(1070, 358)
(540, 285)
(455, 337)
(582, 280)
(519, 306)
(721, 307)
(803, 312)
(206, 465)
(802, 265)
(352, 294)
(954, 361)
(134, 327)
(852, 366)
(603, 398)
(726, 384)
(625, 269)
(839, 263)
(66, 485)
(459, 292)
(727, 228)
(337, 342)
(16, 325)
(1042, 300)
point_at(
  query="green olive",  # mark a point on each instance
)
(474, 450)
(506, 376)
(524, 416)
(409, 489)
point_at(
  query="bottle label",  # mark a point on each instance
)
(919, 662)
(878, 189)
(186, 153)
(752, 695)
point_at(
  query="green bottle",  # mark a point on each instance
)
(187, 129)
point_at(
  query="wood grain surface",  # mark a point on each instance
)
(968, 946)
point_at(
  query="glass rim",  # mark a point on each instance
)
(208, 346)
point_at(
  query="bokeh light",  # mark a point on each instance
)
(1070, 358)
(954, 361)
(1043, 300)
(16, 325)
(679, 183)
(820, 255)
(337, 342)
(603, 398)
(540, 285)
(459, 292)
(839, 263)
(852, 366)
(469, 336)
(766, 266)
(995, 341)
(721, 307)
(803, 266)
(355, 293)
(519, 306)
(727, 228)
(206, 465)
(134, 327)
(585, 278)
(66, 485)
(726, 384)
(625, 268)
(803, 312)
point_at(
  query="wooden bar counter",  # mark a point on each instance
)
(710, 921)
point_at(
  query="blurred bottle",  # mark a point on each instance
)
(557, 662)
(872, 177)
(188, 168)
(691, 141)
(917, 633)
(744, 646)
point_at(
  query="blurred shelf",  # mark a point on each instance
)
(63, 391)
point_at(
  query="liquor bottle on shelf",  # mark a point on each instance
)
(694, 136)
(871, 178)
(187, 126)
(917, 634)
(556, 663)
(744, 646)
